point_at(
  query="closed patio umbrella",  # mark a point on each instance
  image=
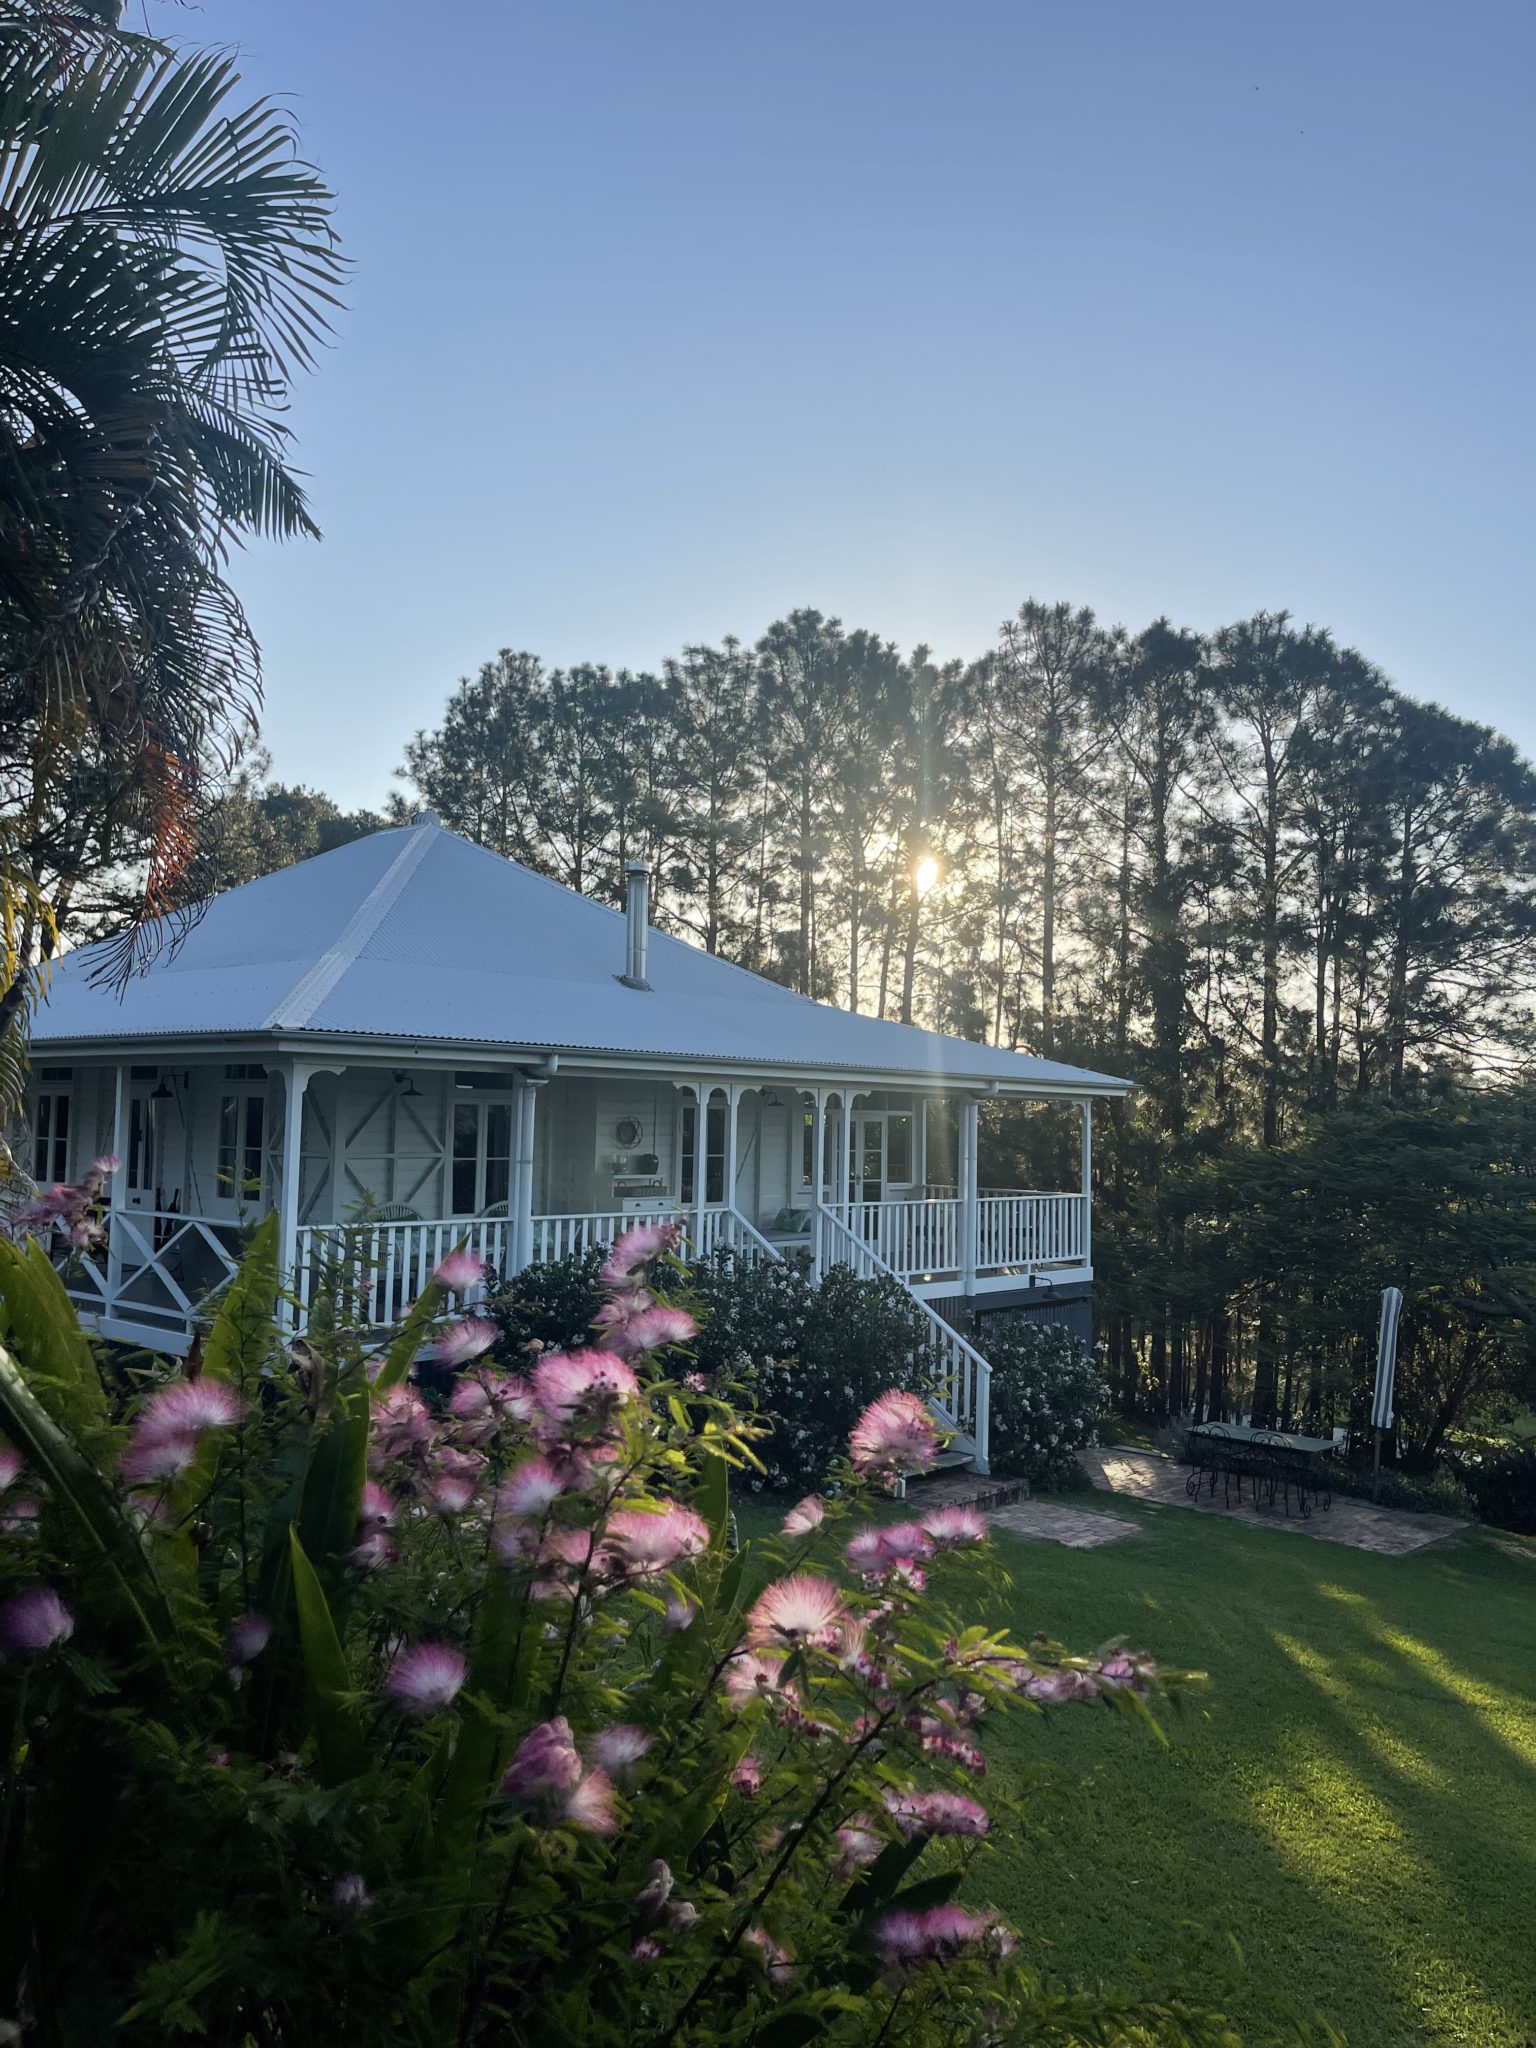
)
(1386, 1371)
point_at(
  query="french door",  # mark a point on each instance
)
(482, 1158)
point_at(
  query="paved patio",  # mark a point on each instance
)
(1148, 1476)
(1077, 1528)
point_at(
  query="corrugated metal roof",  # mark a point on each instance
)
(416, 935)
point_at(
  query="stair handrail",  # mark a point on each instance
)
(866, 1263)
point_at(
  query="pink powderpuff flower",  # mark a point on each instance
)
(545, 1762)
(373, 1552)
(619, 1748)
(378, 1508)
(450, 1494)
(1125, 1671)
(805, 1517)
(696, 1382)
(349, 1895)
(655, 1328)
(616, 1316)
(906, 1940)
(185, 1409)
(651, 1543)
(750, 1676)
(951, 1526)
(247, 1638)
(10, 1467)
(906, 1543)
(532, 1489)
(469, 1338)
(858, 1846)
(575, 1388)
(425, 1679)
(589, 1805)
(682, 1612)
(34, 1622)
(401, 1424)
(800, 1609)
(747, 1778)
(1059, 1688)
(894, 1436)
(461, 1270)
(934, 1813)
(645, 1950)
(149, 1459)
(635, 1250)
(865, 1553)
(781, 1971)
(653, 1895)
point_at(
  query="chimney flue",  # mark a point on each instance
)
(638, 933)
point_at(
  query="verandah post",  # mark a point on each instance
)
(818, 1176)
(296, 1080)
(520, 1221)
(732, 1145)
(1087, 1179)
(969, 1214)
(116, 1186)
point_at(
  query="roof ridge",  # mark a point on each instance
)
(317, 982)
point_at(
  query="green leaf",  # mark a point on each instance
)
(413, 1334)
(713, 1501)
(338, 1728)
(42, 1326)
(238, 1343)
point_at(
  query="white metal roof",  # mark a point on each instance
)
(416, 937)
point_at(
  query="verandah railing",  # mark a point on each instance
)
(1015, 1232)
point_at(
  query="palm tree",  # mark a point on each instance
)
(167, 264)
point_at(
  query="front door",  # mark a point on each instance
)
(141, 1163)
(867, 1164)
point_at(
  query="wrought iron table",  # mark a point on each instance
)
(1275, 1460)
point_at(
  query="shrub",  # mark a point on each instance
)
(812, 1358)
(333, 1717)
(1499, 1478)
(1048, 1392)
(551, 1304)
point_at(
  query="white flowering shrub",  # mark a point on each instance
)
(1048, 1392)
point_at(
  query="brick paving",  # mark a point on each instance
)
(1077, 1528)
(963, 1489)
(1148, 1476)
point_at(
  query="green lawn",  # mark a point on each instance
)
(1354, 1796)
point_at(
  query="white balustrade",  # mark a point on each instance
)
(156, 1269)
(1015, 1233)
(959, 1379)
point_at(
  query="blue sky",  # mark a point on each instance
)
(669, 317)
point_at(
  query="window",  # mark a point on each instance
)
(140, 1164)
(481, 1167)
(242, 1127)
(50, 1137)
(808, 1149)
(898, 1150)
(714, 1153)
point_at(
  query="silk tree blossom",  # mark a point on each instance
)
(34, 1622)
(652, 1543)
(470, 1337)
(426, 1678)
(350, 1896)
(907, 1940)
(858, 1846)
(461, 1270)
(865, 1553)
(532, 1489)
(803, 1608)
(1125, 1672)
(934, 1813)
(450, 1494)
(372, 1552)
(158, 1458)
(682, 1611)
(896, 1435)
(1060, 1688)
(589, 1804)
(776, 1959)
(646, 1950)
(750, 1676)
(574, 1389)
(10, 1467)
(546, 1761)
(950, 1527)
(747, 1777)
(655, 1328)
(618, 1313)
(635, 1250)
(378, 1508)
(185, 1409)
(71, 1207)
(402, 1427)
(649, 1902)
(247, 1638)
(619, 1748)
(484, 1399)
(805, 1517)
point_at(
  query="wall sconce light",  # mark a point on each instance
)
(770, 1099)
(163, 1091)
(410, 1091)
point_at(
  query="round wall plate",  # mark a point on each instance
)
(627, 1131)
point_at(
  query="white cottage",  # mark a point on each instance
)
(410, 1042)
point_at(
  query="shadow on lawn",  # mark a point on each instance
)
(1364, 1743)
